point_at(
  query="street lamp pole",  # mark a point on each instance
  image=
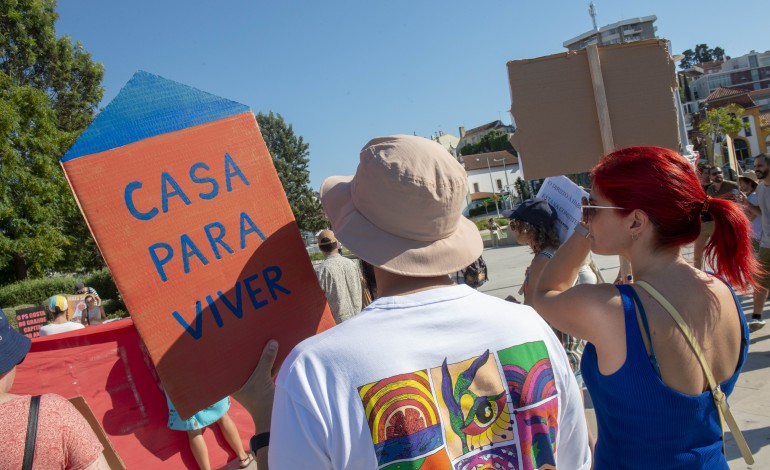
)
(489, 168)
(507, 184)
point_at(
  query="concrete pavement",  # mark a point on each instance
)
(750, 401)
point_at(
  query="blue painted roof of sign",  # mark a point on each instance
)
(149, 105)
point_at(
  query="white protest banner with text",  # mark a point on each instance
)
(565, 197)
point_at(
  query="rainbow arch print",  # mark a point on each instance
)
(402, 416)
(528, 373)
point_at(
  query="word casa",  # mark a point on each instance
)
(169, 188)
(213, 240)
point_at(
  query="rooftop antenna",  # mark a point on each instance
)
(592, 12)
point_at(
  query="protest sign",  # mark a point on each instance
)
(76, 307)
(563, 105)
(565, 197)
(179, 190)
(30, 320)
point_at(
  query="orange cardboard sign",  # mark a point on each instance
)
(181, 195)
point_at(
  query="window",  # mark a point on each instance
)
(475, 187)
(747, 130)
(719, 80)
(499, 184)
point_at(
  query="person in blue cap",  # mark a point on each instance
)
(533, 223)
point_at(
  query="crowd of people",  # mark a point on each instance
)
(421, 370)
(629, 341)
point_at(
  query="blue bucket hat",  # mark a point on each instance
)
(14, 346)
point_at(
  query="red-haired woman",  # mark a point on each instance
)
(653, 404)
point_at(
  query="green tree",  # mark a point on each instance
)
(701, 54)
(493, 141)
(49, 92)
(522, 188)
(290, 157)
(720, 122)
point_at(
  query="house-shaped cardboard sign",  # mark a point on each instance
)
(182, 197)
(568, 116)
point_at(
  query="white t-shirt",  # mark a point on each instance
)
(444, 378)
(756, 224)
(763, 201)
(54, 328)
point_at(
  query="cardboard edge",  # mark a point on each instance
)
(110, 454)
(663, 42)
(80, 208)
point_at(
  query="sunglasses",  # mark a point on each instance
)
(714, 173)
(589, 210)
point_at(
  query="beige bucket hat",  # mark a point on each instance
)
(401, 211)
(749, 175)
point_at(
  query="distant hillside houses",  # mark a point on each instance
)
(477, 134)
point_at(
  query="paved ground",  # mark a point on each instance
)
(750, 402)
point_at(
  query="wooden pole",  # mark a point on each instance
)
(602, 111)
(605, 127)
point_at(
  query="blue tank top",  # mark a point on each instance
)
(644, 424)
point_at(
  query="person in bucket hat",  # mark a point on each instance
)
(429, 370)
(339, 277)
(14, 346)
(64, 438)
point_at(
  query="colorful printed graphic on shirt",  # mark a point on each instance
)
(537, 429)
(402, 416)
(528, 373)
(472, 400)
(437, 461)
(495, 458)
(496, 410)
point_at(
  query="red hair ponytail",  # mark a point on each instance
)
(664, 185)
(729, 249)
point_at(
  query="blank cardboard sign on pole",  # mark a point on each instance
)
(181, 195)
(554, 104)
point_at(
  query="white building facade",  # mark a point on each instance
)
(489, 174)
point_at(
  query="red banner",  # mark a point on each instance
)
(106, 365)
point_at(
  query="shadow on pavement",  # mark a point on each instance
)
(756, 438)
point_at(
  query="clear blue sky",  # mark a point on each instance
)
(344, 71)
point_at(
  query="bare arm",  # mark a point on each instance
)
(533, 276)
(103, 315)
(751, 209)
(577, 310)
(256, 396)
(100, 464)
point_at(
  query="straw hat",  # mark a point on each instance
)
(402, 209)
(751, 176)
(326, 237)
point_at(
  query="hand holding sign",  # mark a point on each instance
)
(566, 199)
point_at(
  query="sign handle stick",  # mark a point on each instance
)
(600, 98)
(605, 126)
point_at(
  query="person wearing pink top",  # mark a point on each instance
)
(64, 440)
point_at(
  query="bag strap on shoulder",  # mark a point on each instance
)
(29, 444)
(716, 392)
